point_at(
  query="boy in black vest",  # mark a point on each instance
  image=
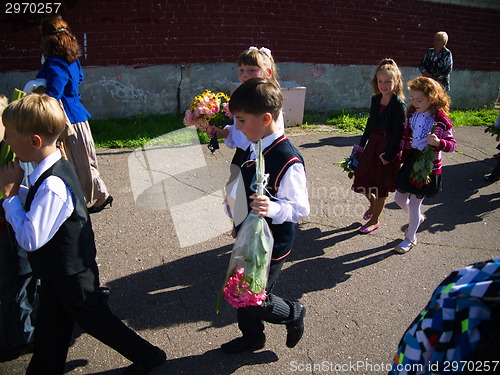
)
(18, 287)
(256, 105)
(53, 226)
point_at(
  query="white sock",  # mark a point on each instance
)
(402, 200)
(415, 217)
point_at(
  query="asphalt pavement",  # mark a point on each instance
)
(164, 246)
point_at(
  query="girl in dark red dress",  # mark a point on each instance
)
(380, 162)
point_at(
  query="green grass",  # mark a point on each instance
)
(136, 131)
(474, 117)
(132, 132)
(344, 120)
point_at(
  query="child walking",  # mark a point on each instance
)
(256, 105)
(429, 109)
(380, 162)
(52, 224)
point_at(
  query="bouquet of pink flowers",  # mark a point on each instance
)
(208, 110)
(248, 269)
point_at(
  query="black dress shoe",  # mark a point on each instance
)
(145, 367)
(103, 291)
(96, 209)
(9, 355)
(295, 329)
(491, 178)
(242, 344)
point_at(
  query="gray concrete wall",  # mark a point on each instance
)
(124, 91)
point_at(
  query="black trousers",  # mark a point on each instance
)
(74, 299)
(275, 310)
(18, 296)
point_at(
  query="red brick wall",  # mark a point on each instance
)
(341, 32)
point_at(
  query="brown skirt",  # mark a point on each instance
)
(80, 151)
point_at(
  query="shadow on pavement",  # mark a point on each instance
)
(216, 362)
(459, 202)
(185, 290)
(347, 141)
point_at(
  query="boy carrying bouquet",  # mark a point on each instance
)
(256, 104)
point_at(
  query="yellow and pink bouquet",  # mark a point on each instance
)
(208, 110)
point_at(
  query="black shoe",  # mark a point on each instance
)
(145, 367)
(295, 329)
(9, 355)
(242, 344)
(491, 178)
(104, 293)
(96, 209)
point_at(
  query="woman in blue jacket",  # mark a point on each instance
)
(63, 73)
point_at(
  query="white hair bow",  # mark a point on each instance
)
(264, 50)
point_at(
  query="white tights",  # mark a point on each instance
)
(412, 206)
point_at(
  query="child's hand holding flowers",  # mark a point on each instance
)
(433, 140)
(260, 204)
(207, 111)
(11, 176)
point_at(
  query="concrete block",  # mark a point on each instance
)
(294, 97)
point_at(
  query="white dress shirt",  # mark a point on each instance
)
(292, 202)
(52, 205)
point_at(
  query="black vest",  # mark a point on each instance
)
(72, 248)
(278, 157)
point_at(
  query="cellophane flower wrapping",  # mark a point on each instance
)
(248, 270)
(354, 159)
(350, 163)
(249, 264)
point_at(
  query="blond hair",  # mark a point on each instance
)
(38, 114)
(433, 91)
(3, 102)
(263, 59)
(443, 35)
(390, 67)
